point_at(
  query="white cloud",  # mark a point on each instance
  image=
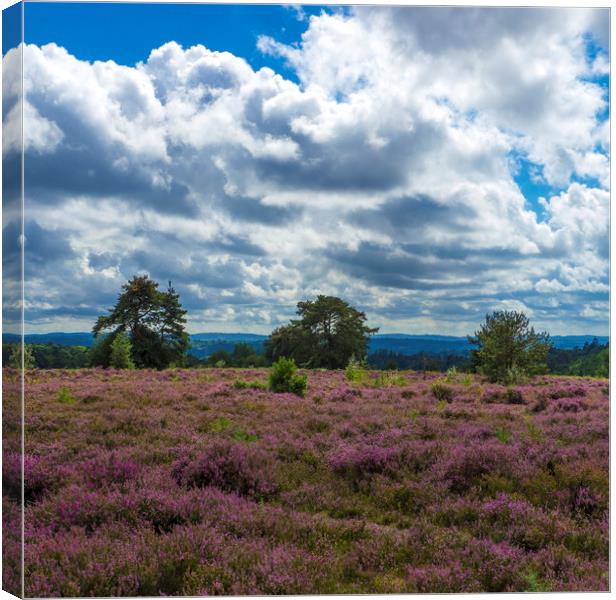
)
(384, 176)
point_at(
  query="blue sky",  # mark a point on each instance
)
(428, 164)
(84, 29)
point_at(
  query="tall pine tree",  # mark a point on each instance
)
(153, 320)
(172, 325)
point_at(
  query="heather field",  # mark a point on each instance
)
(200, 482)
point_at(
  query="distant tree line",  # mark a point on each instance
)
(147, 329)
(242, 356)
(592, 360)
(49, 356)
(389, 360)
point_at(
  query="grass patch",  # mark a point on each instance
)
(65, 396)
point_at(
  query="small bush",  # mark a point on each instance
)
(355, 371)
(239, 384)
(502, 435)
(240, 435)
(282, 378)
(442, 392)
(535, 432)
(451, 375)
(515, 376)
(389, 380)
(218, 425)
(65, 396)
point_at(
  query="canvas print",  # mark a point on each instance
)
(304, 299)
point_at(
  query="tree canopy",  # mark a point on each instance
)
(327, 334)
(153, 320)
(509, 348)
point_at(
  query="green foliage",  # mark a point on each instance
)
(534, 582)
(155, 322)
(327, 334)
(99, 354)
(508, 348)
(442, 360)
(591, 360)
(218, 425)
(241, 436)
(451, 375)
(442, 392)
(240, 384)
(467, 380)
(16, 357)
(121, 352)
(355, 371)
(282, 378)
(597, 365)
(219, 358)
(389, 379)
(535, 432)
(502, 435)
(515, 376)
(65, 396)
(243, 356)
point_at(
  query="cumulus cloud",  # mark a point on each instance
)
(384, 175)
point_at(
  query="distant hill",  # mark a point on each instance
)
(231, 337)
(62, 339)
(204, 344)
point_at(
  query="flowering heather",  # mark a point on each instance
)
(185, 482)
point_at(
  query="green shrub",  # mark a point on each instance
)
(451, 375)
(218, 425)
(535, 432)
(502, 435)
(65, 396)
(355, 371)
(467, 380)
(239, 384)
(282, 378)
(515, 376)
(241, 436)
(388, 379)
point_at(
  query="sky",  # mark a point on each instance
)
(428, 165)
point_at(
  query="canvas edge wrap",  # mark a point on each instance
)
(13, 382)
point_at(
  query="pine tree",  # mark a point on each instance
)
(153, 320)
(509, 349)
(28, 357)
(172, 325)
(328, 332)
(121, 352)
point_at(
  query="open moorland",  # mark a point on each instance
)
(202, 482)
